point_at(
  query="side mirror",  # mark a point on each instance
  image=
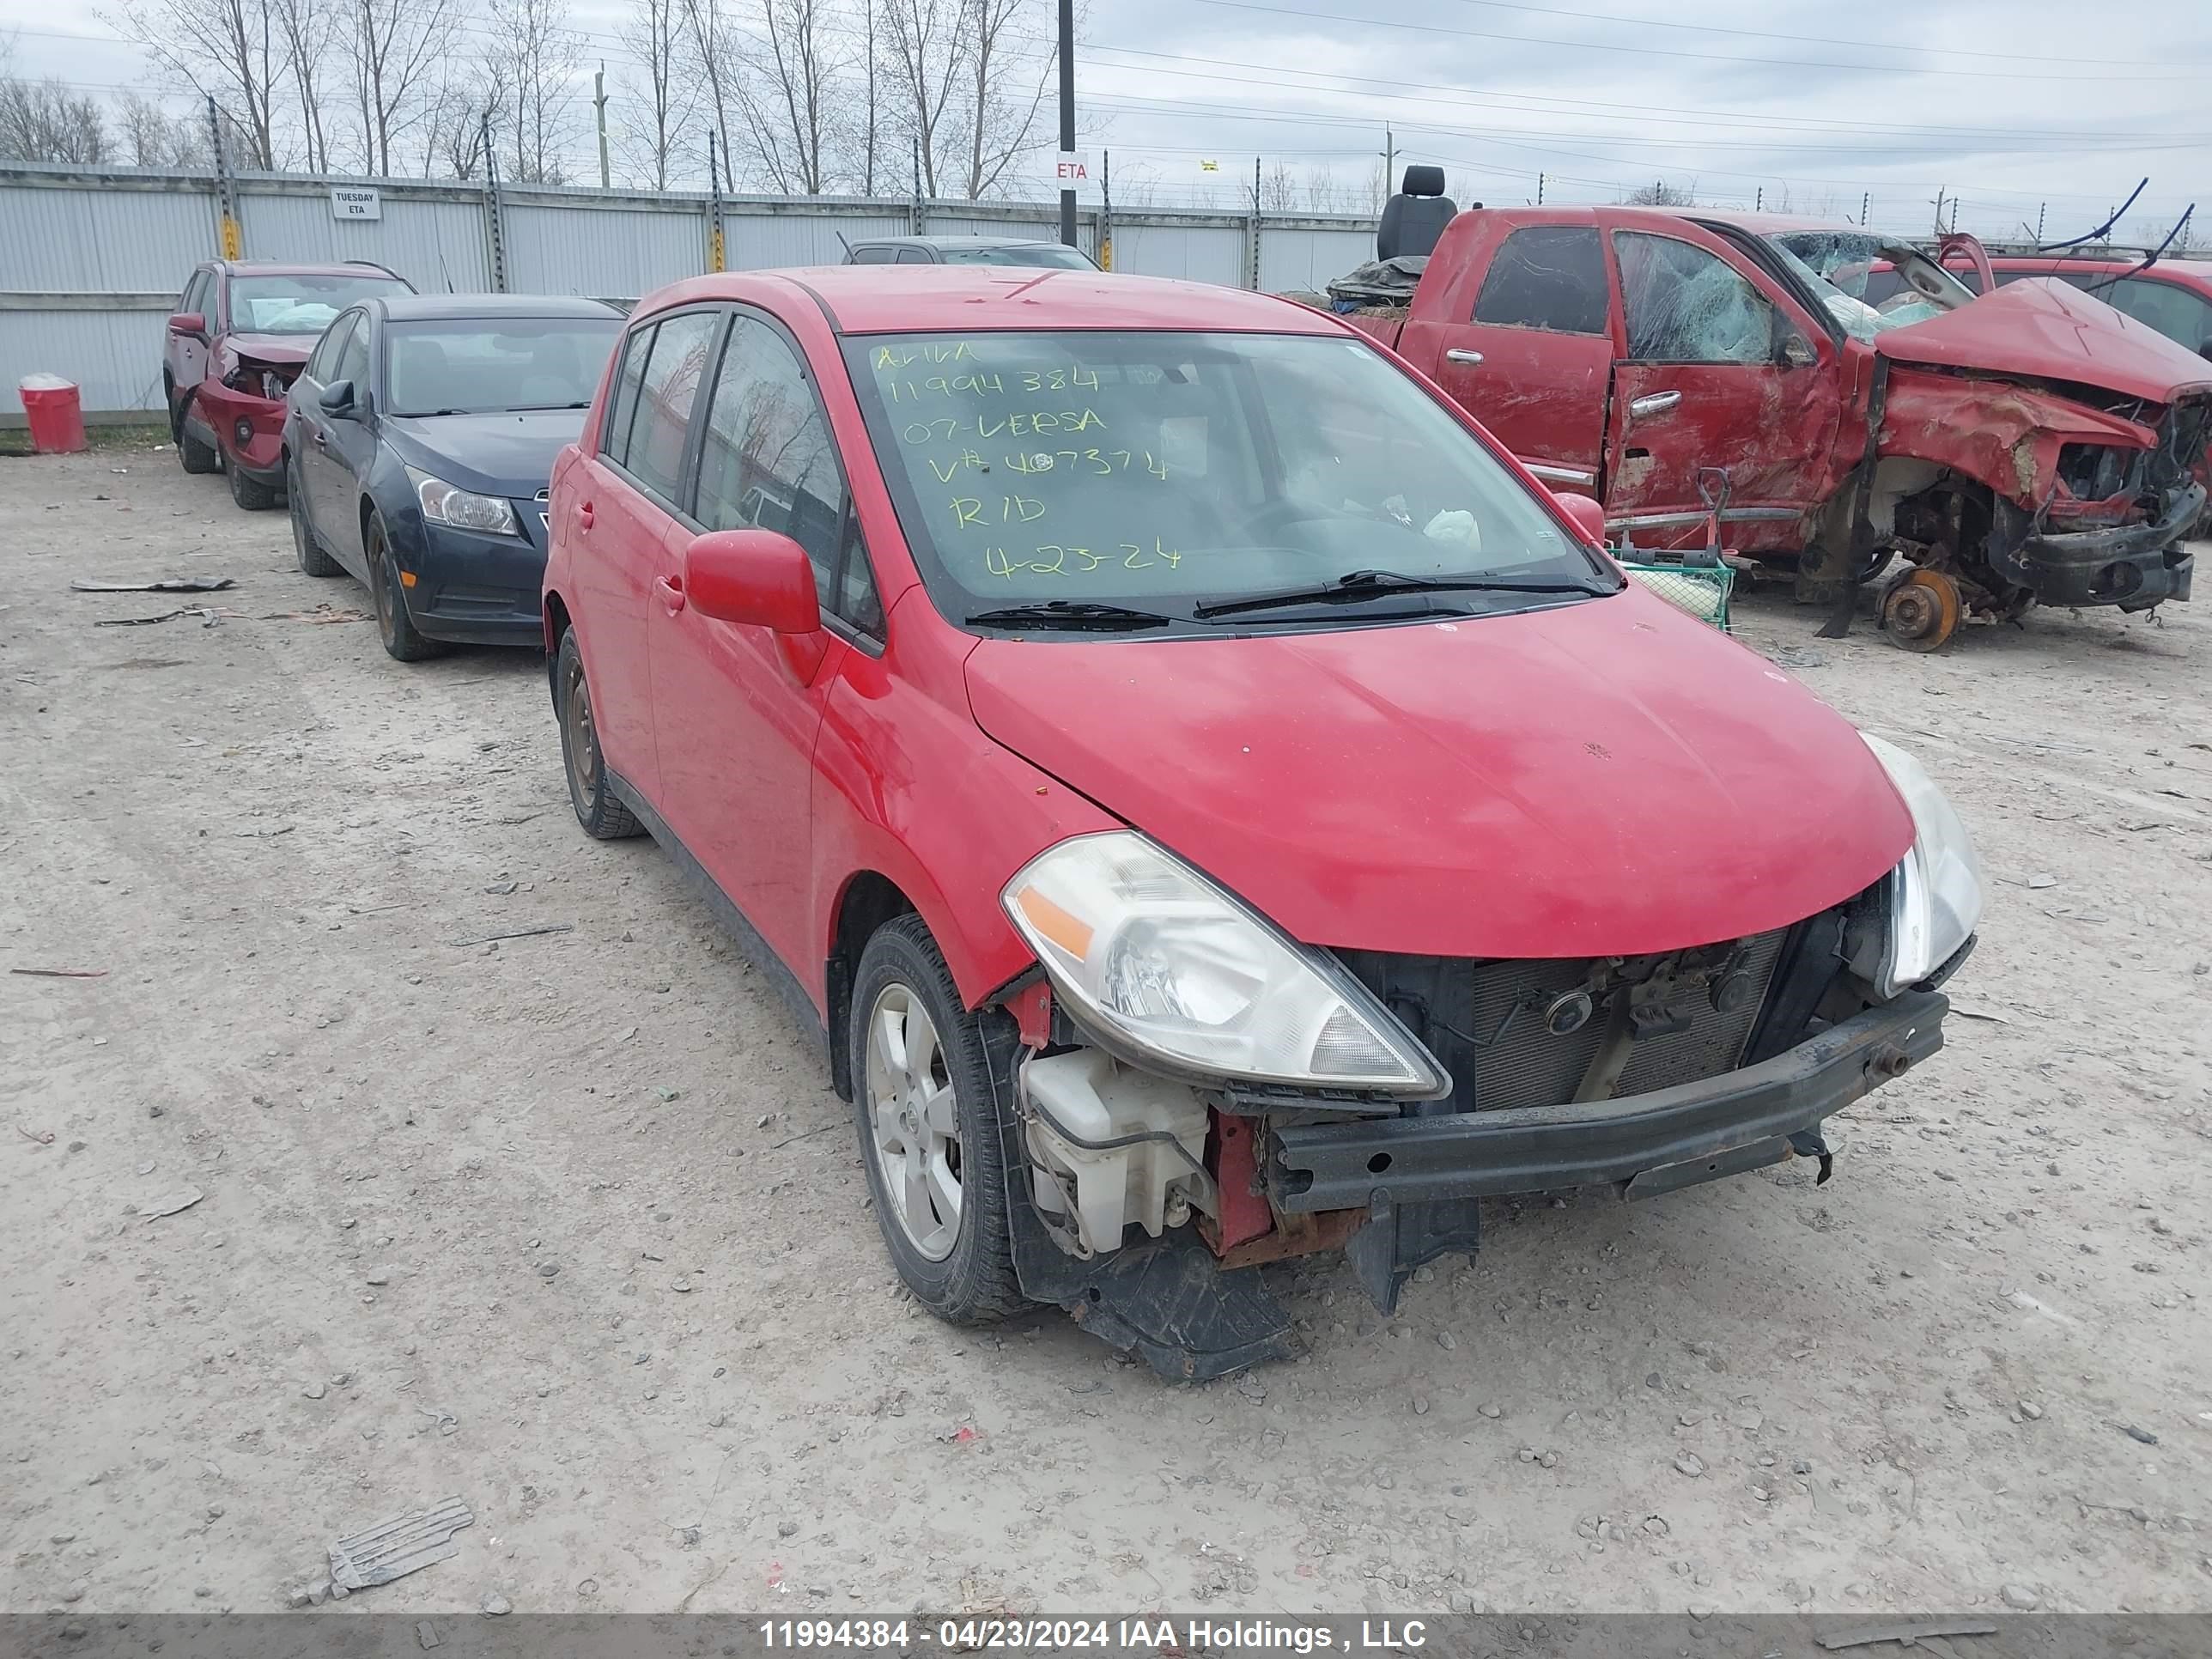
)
(190, 324)
(1587, 514)
(758, 577)
(1797, 352)
(337, 399)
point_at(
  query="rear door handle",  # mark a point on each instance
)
(584, 515)
(1461, 355)
(671, 589)
(322, 441)
(1657, 403)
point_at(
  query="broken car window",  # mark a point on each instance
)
(1686, 306)
(1546, 276)
(1840, 268)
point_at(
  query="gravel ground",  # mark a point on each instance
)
(571, 1226)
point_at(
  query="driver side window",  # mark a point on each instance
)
(1687, 306)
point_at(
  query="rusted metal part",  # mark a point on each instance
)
(1031, 1007)
(1298, 1235)
(1236, 1168)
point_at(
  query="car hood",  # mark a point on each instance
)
(2046, 330)
(1600, 779)
(282, 349)
(506, 454)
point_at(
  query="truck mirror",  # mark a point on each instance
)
(1797, 351)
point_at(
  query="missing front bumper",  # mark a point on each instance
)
(1668, 1138)
(2132, 566)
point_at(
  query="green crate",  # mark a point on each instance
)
(1702, 590)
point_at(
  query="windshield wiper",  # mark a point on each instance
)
(1357, 585)
(1068, 613)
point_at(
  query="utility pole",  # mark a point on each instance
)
(1067, 114)
(1253, 253)
(914, 218)
(2039, 207)
(599, 103)
(230, 239)
(1540, 190)
(1389, 165)
(1866, 202)
(1759, 199)
(495, 214)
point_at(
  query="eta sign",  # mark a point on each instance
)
(1071, 170)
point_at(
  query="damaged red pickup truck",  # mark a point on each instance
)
(2030, 444)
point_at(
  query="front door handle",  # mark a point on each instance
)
(322, 441)
(1657, 403)
(671, 589)
(1461, 355)
(584, 515)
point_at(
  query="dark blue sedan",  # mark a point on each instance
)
(417, 445)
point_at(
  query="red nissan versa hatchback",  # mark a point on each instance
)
(1214, 803)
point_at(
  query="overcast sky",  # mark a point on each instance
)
(2007, 105)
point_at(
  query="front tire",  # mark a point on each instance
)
(598, 808)
(403, 641)
(929, 1131)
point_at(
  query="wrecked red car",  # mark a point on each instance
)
(235, 343)
(1209, 804)
(2031, 446)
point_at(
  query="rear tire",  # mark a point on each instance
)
(403, 641)
(598, 808)
(192, 455)
(313, 561)
(929, 1132)
(254, 496)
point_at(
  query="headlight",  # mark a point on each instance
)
(1936, 894)
(1148, 951)
(461, 508)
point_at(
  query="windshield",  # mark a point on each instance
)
(1171, 471)
(1048, 255)
(475, 366)
(300, 305)
(1836, 265)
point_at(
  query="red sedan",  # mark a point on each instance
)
(1211, 802)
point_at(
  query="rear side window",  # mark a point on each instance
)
(1687, 306)
(662, 369)
(913, 256)
(2182, 316)
(872, 256)
(1546, 276)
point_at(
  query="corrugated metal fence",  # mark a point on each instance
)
(92, 260)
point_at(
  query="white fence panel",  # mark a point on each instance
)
(1298, 260)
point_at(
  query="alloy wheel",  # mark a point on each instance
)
(915, 1114)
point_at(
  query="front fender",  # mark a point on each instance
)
(1996, 432)
(908, 786)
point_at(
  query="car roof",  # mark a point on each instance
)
(2198, 271)
(955, 241)
(455, 307)
(303, 268)
(936, 299)
(1771, 224)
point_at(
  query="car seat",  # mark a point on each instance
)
(1416, 217)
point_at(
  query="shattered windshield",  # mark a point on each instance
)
(1836, 265)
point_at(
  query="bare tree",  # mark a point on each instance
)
(306, 26)
(1660, 194)
(926, 61)
(231, 49)
(1278, 191)
(1002, 115)
(532, 38)
(667, 98)
(397, 48)
(459, 115)
(151, 137)
(784, 101)
(870, 59)
(711, 43)
(44, 121)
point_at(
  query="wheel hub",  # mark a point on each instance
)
(914, 1121)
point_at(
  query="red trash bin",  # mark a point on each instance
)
(57, 419)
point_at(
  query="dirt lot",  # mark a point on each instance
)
(571, 1226)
